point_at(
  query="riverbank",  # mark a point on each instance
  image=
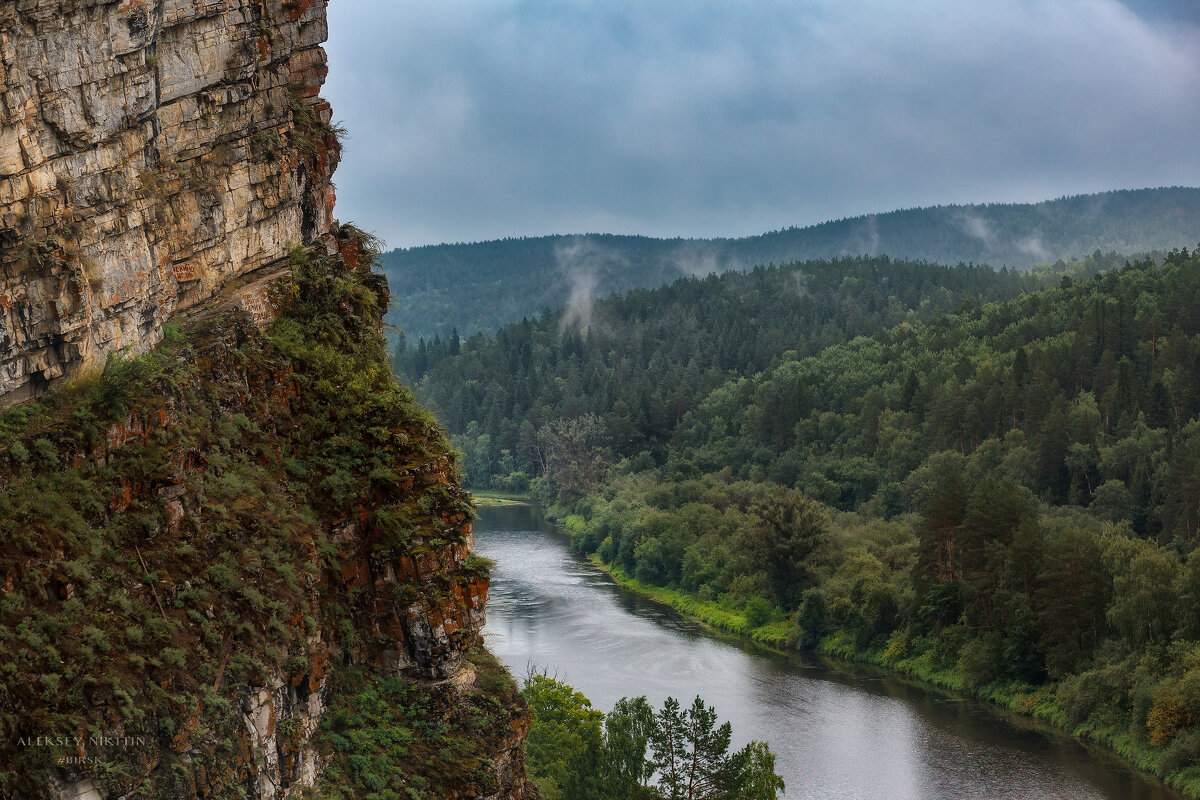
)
(490, 498)
(773, 634)
(838, 729)
(1037, 702)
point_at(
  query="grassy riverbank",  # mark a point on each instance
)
(1039, 702)
(1042, 702)
(774, 633)
(724, 617)
(491, 498)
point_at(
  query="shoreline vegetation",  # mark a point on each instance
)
(713, 614)
(490, 498)
(1037, 702)
(948, 472)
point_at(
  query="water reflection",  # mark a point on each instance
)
(839, 732)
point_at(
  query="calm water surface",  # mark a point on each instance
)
(839, 732)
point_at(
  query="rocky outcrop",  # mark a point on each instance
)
(207, 553)
(150, 152)
(203, 550)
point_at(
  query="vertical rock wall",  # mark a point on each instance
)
(155, 154)
(150, 151)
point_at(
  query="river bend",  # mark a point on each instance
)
(841, 732)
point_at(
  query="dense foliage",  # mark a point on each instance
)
(162, 541)
(1084, 395)
(639, 362)
(386, 738)
(1002, 499)
(480, 286)
(634, 753)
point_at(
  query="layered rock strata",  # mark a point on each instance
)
(150, 152)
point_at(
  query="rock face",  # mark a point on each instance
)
(205, 554)
(150, 152)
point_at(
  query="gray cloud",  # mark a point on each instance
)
(474, 120)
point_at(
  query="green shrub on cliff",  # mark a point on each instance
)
(163, 532)
(389, 738)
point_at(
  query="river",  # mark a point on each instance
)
(839, 731)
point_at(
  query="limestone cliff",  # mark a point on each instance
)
(150, 152)
(235, 558)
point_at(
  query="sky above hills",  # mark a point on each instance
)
(481, 119)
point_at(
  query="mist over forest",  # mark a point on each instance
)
(480, 286)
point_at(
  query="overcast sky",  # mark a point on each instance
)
(480, 119)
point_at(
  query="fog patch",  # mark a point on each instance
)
(976, 227)
(800, 283)
(1032, 246)
(866, 239)
(697, 260)
(581, 261)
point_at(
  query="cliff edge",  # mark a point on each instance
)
(239, 566)
(234, 553)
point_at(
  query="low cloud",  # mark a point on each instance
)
(697, 260)
(866, 241)
(976, 227)
(580, 262)
(1032, 246)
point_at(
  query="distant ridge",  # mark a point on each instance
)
(482, 285)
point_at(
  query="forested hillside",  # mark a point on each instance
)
(481, 286)
(1082, 394)
(999, 495)
(633, 366)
